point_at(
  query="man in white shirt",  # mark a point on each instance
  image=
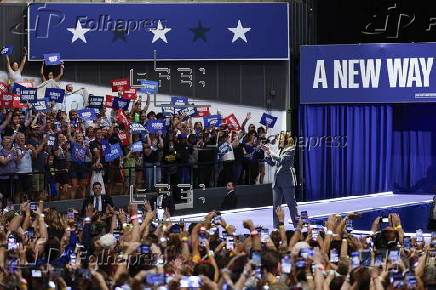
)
(74, 100)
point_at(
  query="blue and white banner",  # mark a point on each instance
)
(189, 112)
(212, 121)
(137, 128)
(41, 106)
(28, 95)
(168, 111)
(268, 120)
(154, 126)
(52, 58)
(115, 152)
(16, 88)
(178, 31)
(368, 73)
(7, 50)
(120, 104)
(151, 87)
(51, 140)
(137, 146)
(87, 114)
(179, 101)
(95, 102)
(55, 95)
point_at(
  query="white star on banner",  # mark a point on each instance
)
(239, 32)
(78, 32)
(159, 33)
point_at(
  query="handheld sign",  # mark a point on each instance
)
(115, 152)
(3, 88)
(268, 120)
(120, 104)
(151, 87)
(137, 147)
(96, 102)
(52, 58)
(129, 94)
(189, 112)
(212, 121)
(41, 106)
(124, 138)
(16, 88)
(202, 112)
(154, 126)
(6, 50)
(55, 95)
(137, 128)
(179, 101)
(17, 103)
(108, 101)
(168, 111)
(120, 85)
(232, 122)
(28, 95)
(87, 114)
(122, 118)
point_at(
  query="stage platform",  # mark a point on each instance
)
(413, 209)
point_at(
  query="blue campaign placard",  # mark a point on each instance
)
(177, 31)
(55, 95)
(368, 73)
(52, 58)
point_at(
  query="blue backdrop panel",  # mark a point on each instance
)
(178, 31)
(368, 73)
(359, 166)
(414, 148)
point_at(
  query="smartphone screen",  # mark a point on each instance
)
(160, 213)
(256, 259)
(73, 258)
(366, 258)
(155, 279)
(349, 226)
(355, 260)
(33, 206)
(70, 214)
(300, 264)
(419, 236)
(394, 256)
(306, 253)
(410, 280)
(286, 265)
(304, 217)
(397, 279)
(334, 257)
(36, 273)
(190, 282)
(264, 235)
(315, 233)
(229, 242)
(406, 243)
(12, 243)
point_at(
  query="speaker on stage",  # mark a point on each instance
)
(432, 218)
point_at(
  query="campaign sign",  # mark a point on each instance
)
(120, 85)
(108, 101)
(52, 58)
(7, 50)
(212, 121)
(124, 138)
(16, 88)
(55, 95)
(96, 102)
(268, 120)
(87, 114)
(7, 100)
(17, 103)
(154, 126)
(137, 146)
(179, 101)
(137, 128)
(105, 146)
(168, 111)
(115, 151)
(232, 122)
(28, 95)
(40, 106)
(202, 112)
(188, 111)
(151, 87)
(129, 94)
(120, 104)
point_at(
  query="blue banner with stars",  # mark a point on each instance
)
(188, 31)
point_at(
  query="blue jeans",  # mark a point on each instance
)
(149, 174)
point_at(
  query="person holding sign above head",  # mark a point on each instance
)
(50, 75)
(15, 70)
(78, 169)
(284, 178)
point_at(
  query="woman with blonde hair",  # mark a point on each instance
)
(284, 181)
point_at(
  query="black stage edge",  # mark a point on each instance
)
(249, 196)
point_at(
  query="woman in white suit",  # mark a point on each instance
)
(284, 181)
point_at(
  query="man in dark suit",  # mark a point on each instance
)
(98, 201)
(231, 199)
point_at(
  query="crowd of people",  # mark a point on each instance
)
(133, 248)
(32, 164)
